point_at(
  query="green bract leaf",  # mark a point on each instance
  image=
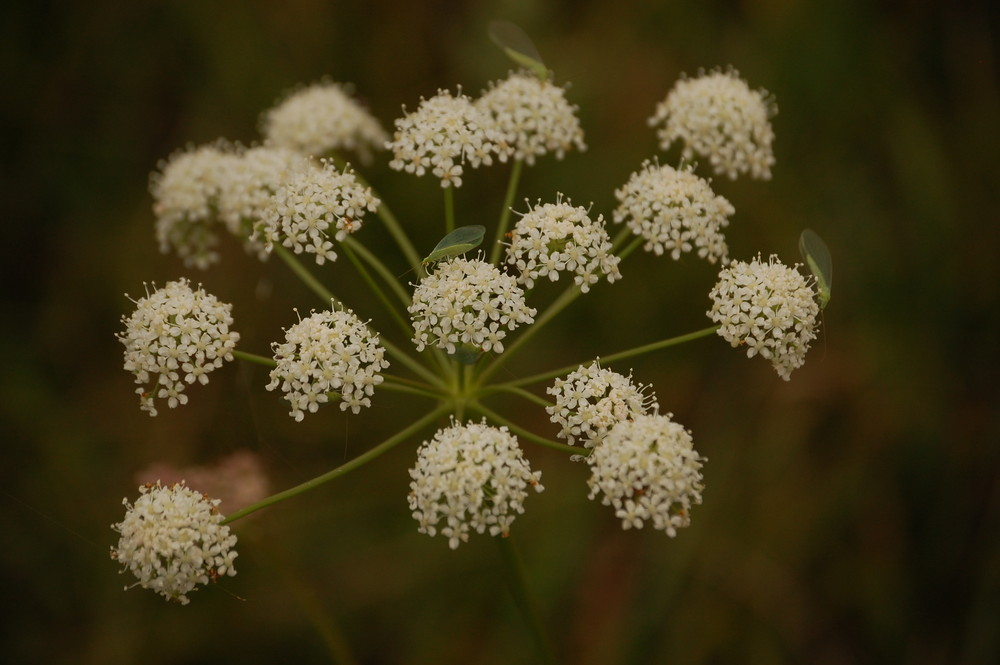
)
(817, 256)
(459, 241)
(518, 46)
(466, 354)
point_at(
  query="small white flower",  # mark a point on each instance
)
(767, 307)
(185, 193)
(469, 478)
(556, 237)
(675, 211)
(532, 116)
(443, 135)
(330, 351)
(648, 470)
(253, 180)
(173, 540)
(321, 118)
(591, 400)
(311, 207)
(467, 302)
(719, 117)
(175, 336)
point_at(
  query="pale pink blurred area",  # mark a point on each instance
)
(237, 480)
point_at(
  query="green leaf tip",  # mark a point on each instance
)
(817, 256)
(518, 46)
(459, 241)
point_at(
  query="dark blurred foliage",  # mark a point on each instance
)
(851, 515)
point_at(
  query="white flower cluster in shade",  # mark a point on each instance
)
(173, 540)
(469, 478)
(328, 352)
(768, 308)
(467, 302)
(198, 188)
(322, 118)
(675, 211)
(591, 400)
(532, 116)
(175, 336)
(312, 205)
(719, 117)
(557, 237)
(647, 469)
(442, 135)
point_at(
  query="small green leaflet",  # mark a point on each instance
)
(457, 242)
(817, 256)
(518, 46)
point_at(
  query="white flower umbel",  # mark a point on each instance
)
(648, 470)
(532, 116)
(767, 307)
(253, 180)
(328, 352)
(443, 135)
(557, 237)
(321, 118)
(591, 400)
(719, 117)
(175, 336)
(675, 211)
(469, 478)
(312, 207)
(467, 302)
(185, 193)
(173, 540)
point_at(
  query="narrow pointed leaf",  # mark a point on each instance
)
(817, 256)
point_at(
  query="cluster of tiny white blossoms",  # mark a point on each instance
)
(767, 307)
(467, 302)
(719, 117)
(443, 134)
(312, 205)
(185, 193)
(329, 351)
(252, 183)
(554, 237)
(675, 211)
(648, 470)
(175, 336)
(321, 118)
(173, 540)
(532, 116)
(468, 478)
(591, 400)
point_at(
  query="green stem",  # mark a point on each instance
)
(367, 276)
(524, 433)
(515, 177)
(514, 390)
(390, 222)
(517, 584)
(560, 303)
(410, 390)
(381, 269)
(620, 239)
(614, 357)
(307, 277)
(449, 209)
(254, 358)
(345, 468)
(631, 247)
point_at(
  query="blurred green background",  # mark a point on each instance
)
(851, 515)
